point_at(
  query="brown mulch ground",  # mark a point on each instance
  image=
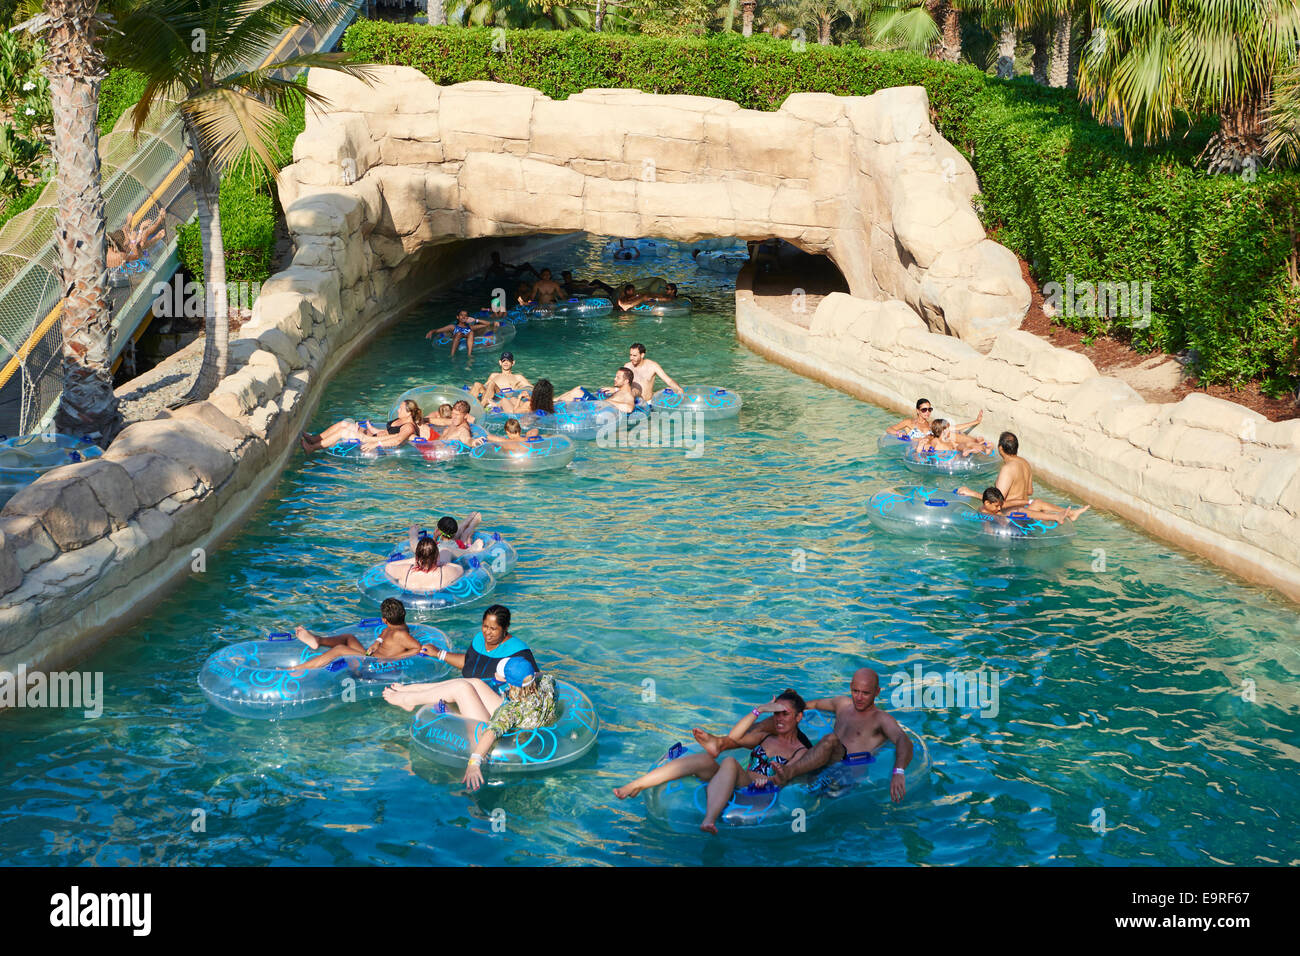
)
(1109, 354)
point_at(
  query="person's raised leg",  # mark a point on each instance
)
(729, 777)
(826, 751)
(699, 765)
(488, 699)
(411, 696)
(717, 744)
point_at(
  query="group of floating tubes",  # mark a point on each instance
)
(942, 513)
(722, 261)
(265, 678)
(433, 451)
(476, 583)
(447, 738)
(488, 341)
(854, 786)
(25, 458)
(590, 306)
(709, 403)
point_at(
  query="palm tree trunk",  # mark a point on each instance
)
(747, 17)
(951, 34)
(75, 68)
(1007, 50)
(438, 13)
(206, 185)
(1058, 68)
(824, 31)
(1238, 144)
(1039, 39)
(600, 15)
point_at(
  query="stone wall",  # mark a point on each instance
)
(866, 181)
(1203, 473)
(91, 546)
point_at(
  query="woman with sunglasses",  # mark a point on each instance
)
(919, 425)
(726, 777)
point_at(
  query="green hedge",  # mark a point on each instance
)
(248, 216)
(1060, 190)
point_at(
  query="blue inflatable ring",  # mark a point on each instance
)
(475, 584)
(254, 678)
(941, 513)
(448, 738)
(497, 553)
(710, 403)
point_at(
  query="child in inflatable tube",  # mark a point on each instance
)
(394, 642)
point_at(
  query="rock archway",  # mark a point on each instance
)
(867, 181)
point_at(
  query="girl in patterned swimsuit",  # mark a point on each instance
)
(725, 778)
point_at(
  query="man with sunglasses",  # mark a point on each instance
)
(919, 425)
(860, 730)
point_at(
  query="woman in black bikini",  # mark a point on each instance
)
(730, 775)
(397, 432)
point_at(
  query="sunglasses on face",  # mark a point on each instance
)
(926, 410)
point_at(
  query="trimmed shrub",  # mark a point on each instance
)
(1060, 190)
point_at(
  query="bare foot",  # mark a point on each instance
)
(1073, 513)
(712, 743)
(624, 792)
(399, 700)
(307, 637)
(306, 447)
(709, 828)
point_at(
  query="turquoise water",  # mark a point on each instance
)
(1120, 689)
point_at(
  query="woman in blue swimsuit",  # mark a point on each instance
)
(728, 776)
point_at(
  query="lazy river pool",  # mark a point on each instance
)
(679, 588)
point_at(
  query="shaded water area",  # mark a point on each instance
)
(665, 586)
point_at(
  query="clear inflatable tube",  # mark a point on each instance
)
(709, 403)
(254, 678)
(429, 397)
(679, 306)
(475, 584)
(855, 786)
(448, 738)
(896, 446)
(941, 513)
(496, 552)
(722, 261)
(417, 449)
(483, 341)
(25, 458)
(590, 306)
(648, 248)
(935, 462)
(542, 453)
(581, 419)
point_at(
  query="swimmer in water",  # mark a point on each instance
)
(398, 431)
(622, 396)
(945, 437)
(918, 426)
(465, 328)
(506, 382)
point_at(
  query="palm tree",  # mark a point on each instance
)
(1145, 66)
(519, 14)
(747, 17)
(438, 13)
(1282, 142)
(923, 26)
(824, 13)
(193, 55)
(74, 65)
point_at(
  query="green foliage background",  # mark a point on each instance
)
(1058, 189)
